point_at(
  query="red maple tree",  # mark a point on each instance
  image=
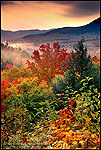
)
(48, 61)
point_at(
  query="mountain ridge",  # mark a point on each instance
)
(13, 35)
(66, 36)
(71, 30)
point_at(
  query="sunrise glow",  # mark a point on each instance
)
(21, 15)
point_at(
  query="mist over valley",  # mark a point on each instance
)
(28, 40)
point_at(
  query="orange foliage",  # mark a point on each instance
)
(4, 85)
(48, 61)
(96, 59)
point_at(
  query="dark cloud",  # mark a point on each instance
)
(64, 2)
(77, 9)
(7, 2)
(15, 3)
(80, 8)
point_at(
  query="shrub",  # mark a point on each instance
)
(30, 94)
(16, 72)
(89, 100)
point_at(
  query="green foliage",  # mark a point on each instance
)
(78, 65)
(88, 105)
(59, 84)
(3, 65)
(32, 95)
(80, 58)
(13, 119)
(38, 115)
(95, 73)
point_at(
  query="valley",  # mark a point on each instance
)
(66, 36)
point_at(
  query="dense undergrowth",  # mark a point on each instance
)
(49, 112)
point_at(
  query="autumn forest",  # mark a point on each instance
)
(51, 100)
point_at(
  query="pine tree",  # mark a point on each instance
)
(78, 63)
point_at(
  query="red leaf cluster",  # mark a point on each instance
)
(4, 85)
(48, 61)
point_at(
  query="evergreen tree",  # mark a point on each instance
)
(78, 64)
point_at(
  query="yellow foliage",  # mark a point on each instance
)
(93, 135)
(75, 143)
(81, 142)
(70, 132)
(83, 128)
(16, 72)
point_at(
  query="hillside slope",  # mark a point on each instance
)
(12, 35)
(66, 36)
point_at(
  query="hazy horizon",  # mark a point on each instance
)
(44, 29)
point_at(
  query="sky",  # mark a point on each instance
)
(44, 15)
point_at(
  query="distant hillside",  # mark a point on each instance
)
(66, 36)
(93, 27)
(12, 35)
